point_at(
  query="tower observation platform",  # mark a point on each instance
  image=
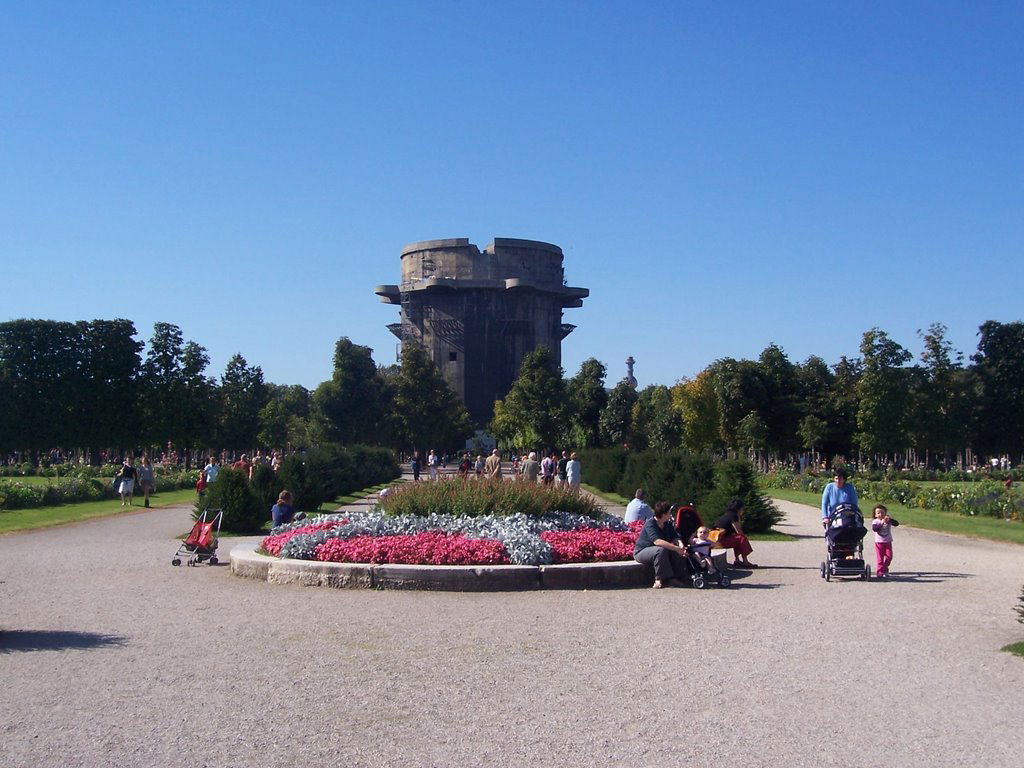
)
(477, 314)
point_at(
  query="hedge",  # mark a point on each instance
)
(18, 495)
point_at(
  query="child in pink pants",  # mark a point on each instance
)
(882, 525)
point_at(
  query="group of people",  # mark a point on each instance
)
(128, 475)
(668, 544)
(551, 470)
(840, 493)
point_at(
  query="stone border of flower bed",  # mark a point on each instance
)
(247, 563)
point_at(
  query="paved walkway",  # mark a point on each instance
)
(111, 657)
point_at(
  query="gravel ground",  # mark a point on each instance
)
(111, 657)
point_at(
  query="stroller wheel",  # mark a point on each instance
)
(824, 569)
(698, 582)
(724, 581)
(176, 561)
(828, 573)
(214, 560)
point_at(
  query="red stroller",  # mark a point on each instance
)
(201, 542)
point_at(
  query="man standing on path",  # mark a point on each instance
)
(837, 492)
(531, 468)
(638, 509)
(560, 473)
(493, 465)
(432, 464)
(573, 472)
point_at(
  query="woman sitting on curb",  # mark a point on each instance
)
(732, 536)
(659, 545)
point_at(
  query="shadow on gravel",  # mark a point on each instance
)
(48, 640)
(923, 577)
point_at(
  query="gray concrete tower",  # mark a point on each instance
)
(478, 314)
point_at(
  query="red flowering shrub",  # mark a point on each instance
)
(272, 544)
(590, 545)
(434, 548)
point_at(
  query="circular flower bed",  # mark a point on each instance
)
(445, 539)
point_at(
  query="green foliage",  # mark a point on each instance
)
(656, 424)
(1019, 608)
(243, 510)
(353, 406)
(1000, 368)
(675, 476)
(737, 479)
(883, 394)
(535, 411)
(587, 398)
(242, 397)
(328, 471)
(616, 422)
(475, 498)
(427, 412)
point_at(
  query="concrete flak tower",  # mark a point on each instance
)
(478, 314)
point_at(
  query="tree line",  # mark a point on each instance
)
(881, 406)
(88, 386)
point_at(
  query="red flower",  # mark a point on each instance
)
(272, 544)
(590, 545)
(434, 548)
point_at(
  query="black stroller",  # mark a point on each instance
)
(844, 536)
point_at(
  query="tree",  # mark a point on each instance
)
(999, 364)
(696, 403)
(534, 413)
(780, 412)
(752, 433)
(941, 409)
(587, 398)
(740, 390)
(811, 432)
(882, 394)
(426, 411)
(352, 405)
(242, 396)
(656, 424)
(285, 405)
(616, 422)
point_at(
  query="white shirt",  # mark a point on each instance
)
(638, 509)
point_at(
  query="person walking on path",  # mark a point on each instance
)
(147, 482)
(882, 525)
(560, 472)
(493, 465)
(432, 464)
(414, 465)
(126, 482)
(659, 545)
(837, 492)
(211, 470)
(638, 509)
(573, 472)
(531, 468)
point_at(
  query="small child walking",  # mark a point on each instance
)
(882, 525)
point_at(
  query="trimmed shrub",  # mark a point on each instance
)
(737, 479)
(603, 467)
(230, 492)
(475, 498)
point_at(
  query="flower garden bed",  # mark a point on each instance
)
(440, 539)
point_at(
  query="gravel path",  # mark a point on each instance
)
(111, 657)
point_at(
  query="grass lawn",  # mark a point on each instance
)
(614, 498)
(332, 506)
(43, 517)
(1015, 648)
(930, 519)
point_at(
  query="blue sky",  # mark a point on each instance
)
(720, 175)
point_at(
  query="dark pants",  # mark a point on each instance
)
(668, 564)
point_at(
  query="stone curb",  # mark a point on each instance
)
(247, 563)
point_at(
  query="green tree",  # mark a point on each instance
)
(740, 390)
(811, 432)
(427, 412)
(616, 422)
(883, 395)
(587, 398)
(656, 424)
(535, 411)
(696, 403)
(752, 433)
(780, 412)
(242, 396)
(999, 365)
(354, 403)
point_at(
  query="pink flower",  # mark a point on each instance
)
(590, 545)
(433, 548)
(272, 544)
